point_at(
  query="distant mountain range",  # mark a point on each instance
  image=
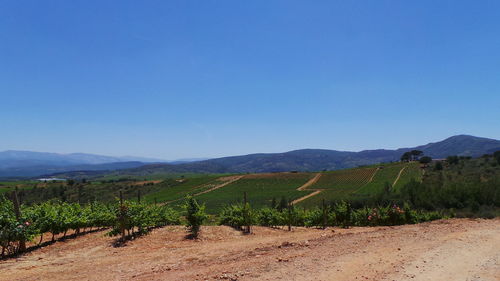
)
(15, 163)
(24, 163)
(320, 159)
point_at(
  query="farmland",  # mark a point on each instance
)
(217, 191)
(179, 188)
(403, 202)
(360, 182)
(260, 189)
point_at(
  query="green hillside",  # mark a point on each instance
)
(463, 183)
(361, 182)
(260, 189)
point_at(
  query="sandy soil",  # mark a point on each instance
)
(458, 249)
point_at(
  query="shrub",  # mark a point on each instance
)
(195, 216)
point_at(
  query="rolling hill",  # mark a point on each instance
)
(31, 164)
(307, 160)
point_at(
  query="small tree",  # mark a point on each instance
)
(406, 157)
(425, 160)
(497, 156)
(438, 166)
(415, 154)
(283, 204)
(452, 160)
(195, 216)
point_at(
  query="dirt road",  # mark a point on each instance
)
(458, 249)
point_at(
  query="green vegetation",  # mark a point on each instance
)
(365, 196)
(60, 217)
(362, 184)
(345, 180)
(385, 176)
(139, 218)
(261, 189)
(470, 187)
(195, 216)
(411, 172)
(182, 187)
(336, 214)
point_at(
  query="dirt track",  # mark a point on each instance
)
(458, 249)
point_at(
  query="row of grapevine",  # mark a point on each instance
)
(140, 218)
(59, 218)
(345, 179)
(339, 214)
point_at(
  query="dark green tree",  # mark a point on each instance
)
(406, 157)
(497, 156)
(283, 204)
(425, 160)
(416, 154)
(438, 166)
(452, 160)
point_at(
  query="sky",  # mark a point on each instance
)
(183, 79)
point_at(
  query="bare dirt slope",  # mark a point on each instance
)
(458, 249)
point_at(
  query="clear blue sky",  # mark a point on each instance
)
(174, 79)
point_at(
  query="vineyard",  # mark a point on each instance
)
(385, 176)
(412, 171)
(361, 182)
(261, 190)
(21, 224)
(183, 187)
(348, 180)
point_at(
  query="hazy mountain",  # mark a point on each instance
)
(25, 163)
(320, 159)
(34, 171)
(15, 163)
(17, 159)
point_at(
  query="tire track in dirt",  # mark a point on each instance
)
(233, 179)
(305, 186)
(310, 182)
(399, 175)
(230, 179)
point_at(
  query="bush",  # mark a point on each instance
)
(195, 216)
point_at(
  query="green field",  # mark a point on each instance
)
(385, 175)
(412, 171)
(350, 179)
(260, 189)
(180, 188)
(8, 186)
(360, 182)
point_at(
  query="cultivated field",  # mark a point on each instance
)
(361, 182)
(457, 249)
(260, 189)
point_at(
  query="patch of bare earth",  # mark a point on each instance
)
(458, 249)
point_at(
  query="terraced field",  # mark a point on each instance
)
(260, 189)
